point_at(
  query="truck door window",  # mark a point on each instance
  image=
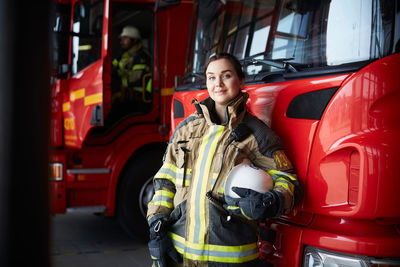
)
(60, 39)
(87, 33)
(131, 76)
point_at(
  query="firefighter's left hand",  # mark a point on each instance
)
(253, 205)
(160, 244)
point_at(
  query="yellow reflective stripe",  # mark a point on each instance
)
(77, 94)
(174, 174)
(244, 214)
(164, 193)
(187, 182)
(66, 106)
(236, 208)
(124, 81)
(167, 171)
(93, 99)
(173, 168)
(197, 228)
(115, 63)
(285, 184)
(140, 67)
(211, 247)
(138, 89)
(221, 259)
(149, 86)
(221, 190)
(204, 185)
(88, 100)
(163, 198)
(217, 253)
(162, 203)
(214, 179)
(166, 176)
(279, 173)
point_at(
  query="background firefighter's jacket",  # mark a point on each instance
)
(196, 155)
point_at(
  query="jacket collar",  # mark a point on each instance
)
(234, 113)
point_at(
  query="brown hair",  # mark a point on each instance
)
(234, 61)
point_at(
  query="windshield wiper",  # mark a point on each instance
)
(281, 63)
(193, 75)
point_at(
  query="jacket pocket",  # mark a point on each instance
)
(182, 173)
(233, 231)
(186, 157)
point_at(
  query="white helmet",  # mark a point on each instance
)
(131, 32)
(246, 175)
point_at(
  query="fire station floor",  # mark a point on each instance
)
(81, 239)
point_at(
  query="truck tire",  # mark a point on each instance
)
(133, 192)
(145, 195)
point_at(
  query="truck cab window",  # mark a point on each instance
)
(87, 33)
(60, 39)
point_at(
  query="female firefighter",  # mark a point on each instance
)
(190, 220)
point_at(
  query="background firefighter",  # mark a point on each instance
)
(129, 70)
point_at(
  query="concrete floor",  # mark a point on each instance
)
(88, 240)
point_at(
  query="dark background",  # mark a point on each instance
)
(24, 132)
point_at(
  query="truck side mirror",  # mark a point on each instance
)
(61, 71)
(64, 68)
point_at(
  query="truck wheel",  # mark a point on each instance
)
(135, 191)
(145, 196)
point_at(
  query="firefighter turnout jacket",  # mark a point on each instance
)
(131, 67)
(198, 159)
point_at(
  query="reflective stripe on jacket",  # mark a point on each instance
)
(196, 156)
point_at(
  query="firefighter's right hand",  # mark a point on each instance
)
(253, 205)
(160, 244)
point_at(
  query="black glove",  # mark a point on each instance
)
(160, 244)
(253, 205)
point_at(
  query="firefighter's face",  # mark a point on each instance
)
(125, 42)
(223, 83)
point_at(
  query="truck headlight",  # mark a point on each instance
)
(315, 257)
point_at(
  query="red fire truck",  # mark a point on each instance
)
(325, 76)
(103, 155)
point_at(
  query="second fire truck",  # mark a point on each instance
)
(103, 156)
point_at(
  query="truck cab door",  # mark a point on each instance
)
(83, 102)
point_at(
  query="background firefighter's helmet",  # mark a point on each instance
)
(246, 175)
(131, 32)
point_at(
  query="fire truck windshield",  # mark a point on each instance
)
(293, 35)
